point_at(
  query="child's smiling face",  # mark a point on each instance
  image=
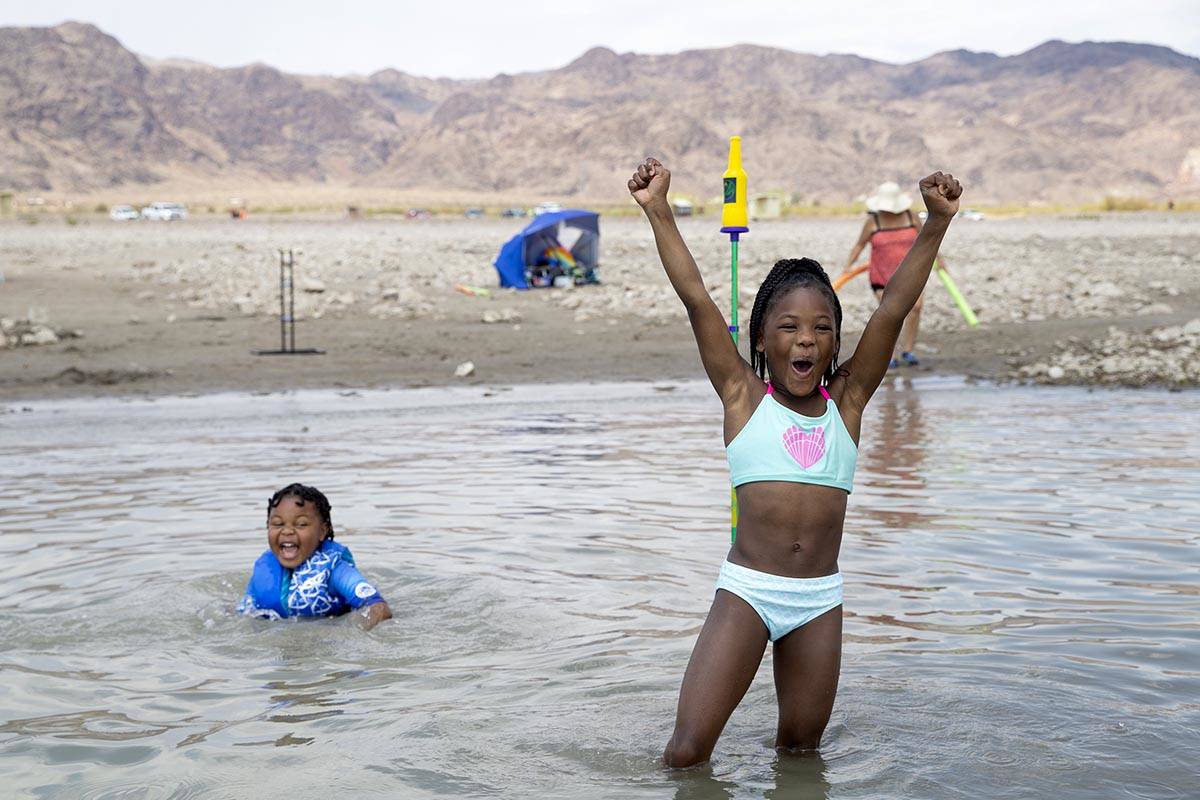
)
(799, 340)
(295, 529)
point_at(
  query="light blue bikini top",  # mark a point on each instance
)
(778, 444)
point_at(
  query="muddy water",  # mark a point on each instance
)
(1022, 597)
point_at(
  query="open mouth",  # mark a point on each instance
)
(802, 367)
(289, 550)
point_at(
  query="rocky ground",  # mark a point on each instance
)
(105, 307)
(1168, 355)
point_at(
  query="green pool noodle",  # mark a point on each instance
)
(956, 295)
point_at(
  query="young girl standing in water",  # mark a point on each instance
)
(792, 421)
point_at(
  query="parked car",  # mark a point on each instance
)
(473, 213)
(418, 213)
(164, 212)
(123, 213)
(546, 208)
(513, 212)
(971, 214)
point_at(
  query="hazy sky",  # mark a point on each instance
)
(479, 38)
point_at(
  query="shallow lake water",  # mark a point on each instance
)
(1022, 597)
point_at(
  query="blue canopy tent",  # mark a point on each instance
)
(529, 256)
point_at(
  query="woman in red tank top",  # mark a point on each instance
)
(890, 229)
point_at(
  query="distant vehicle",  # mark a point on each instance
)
(124, 213)
(546, 208)
(513, 212)
(965, 213)
(418, 213)
(473, 213)
(682, 207)
(164, 212)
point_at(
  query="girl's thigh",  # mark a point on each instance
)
(807, 664)
(723, 664)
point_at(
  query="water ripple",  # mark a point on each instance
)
(1019, 597)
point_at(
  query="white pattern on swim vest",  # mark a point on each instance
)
(309, 590)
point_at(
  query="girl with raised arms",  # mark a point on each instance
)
(792, 421)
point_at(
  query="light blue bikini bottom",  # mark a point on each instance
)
(784, 604)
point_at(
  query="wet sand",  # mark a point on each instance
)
(177, 308)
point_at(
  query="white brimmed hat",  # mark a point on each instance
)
(888, 197)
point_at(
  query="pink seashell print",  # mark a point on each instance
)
(807, 447)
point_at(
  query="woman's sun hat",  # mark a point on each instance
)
(888, 197)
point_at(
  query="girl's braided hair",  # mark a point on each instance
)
(305, 494)
(788, 274)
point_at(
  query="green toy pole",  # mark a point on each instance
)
(733, 331)
(733, 297)
(735, 222)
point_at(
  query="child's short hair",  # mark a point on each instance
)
(788, 274)
(309, 494)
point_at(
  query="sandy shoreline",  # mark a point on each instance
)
(167, 309)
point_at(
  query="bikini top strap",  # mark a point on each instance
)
(875, 216)
(824, 392)
(911, 222)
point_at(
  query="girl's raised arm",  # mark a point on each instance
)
(726, 369)
(869, 364)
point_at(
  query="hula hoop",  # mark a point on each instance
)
(842, 279)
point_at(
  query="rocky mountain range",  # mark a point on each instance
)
(81, 114)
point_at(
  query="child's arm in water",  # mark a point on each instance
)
(867, 366)
(725, 367)
(362, 596)
(374, 614)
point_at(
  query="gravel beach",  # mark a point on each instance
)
(143, 308)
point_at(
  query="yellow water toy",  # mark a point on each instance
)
(734, 219)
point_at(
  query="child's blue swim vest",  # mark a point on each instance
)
(325, 585)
